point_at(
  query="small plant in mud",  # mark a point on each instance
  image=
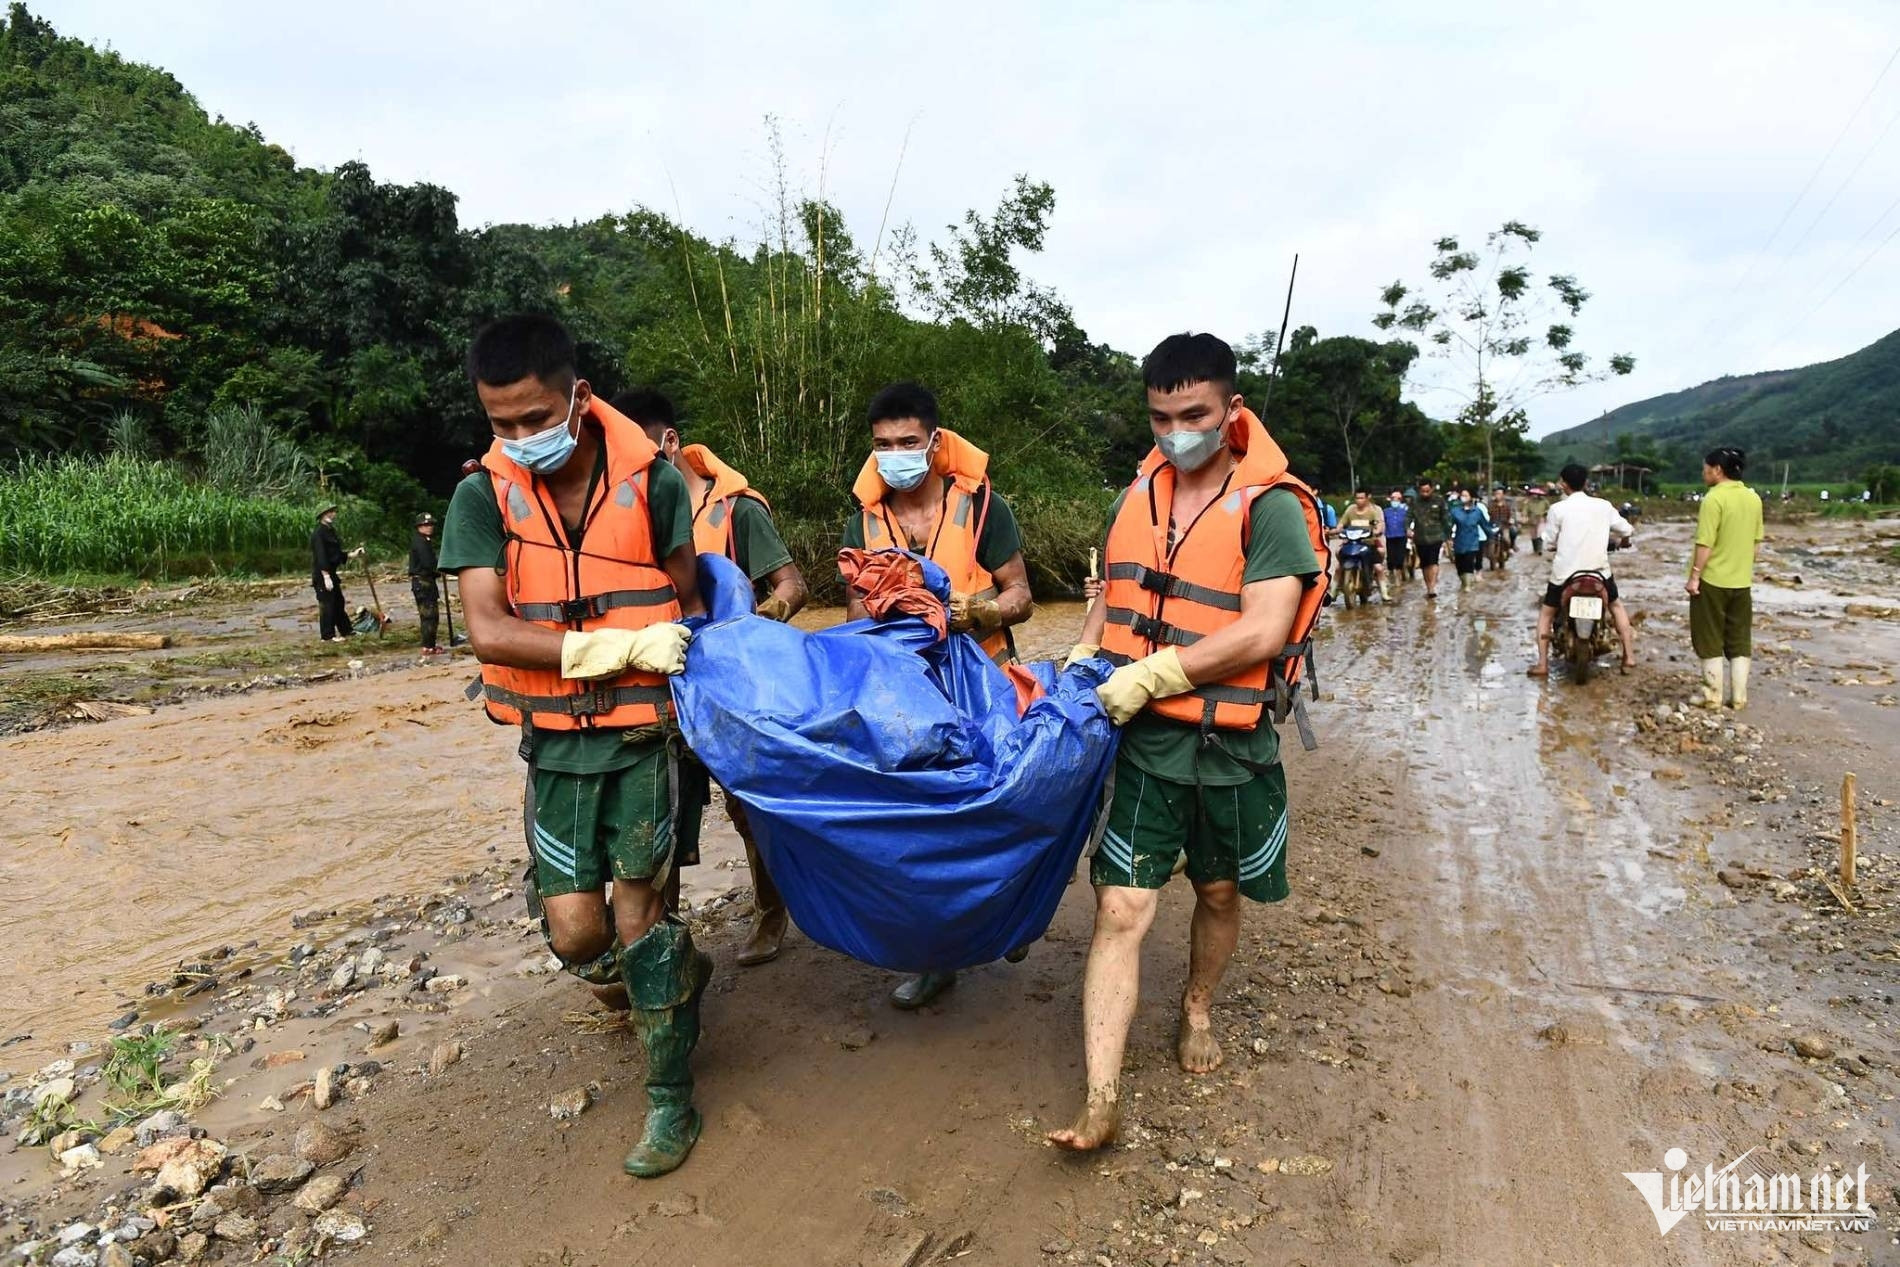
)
(49, 1117)
(136, 1073)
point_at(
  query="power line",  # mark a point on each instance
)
(1806, 186)
(1865, 261)
(1838, 190)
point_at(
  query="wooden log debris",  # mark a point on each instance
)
(29, 644)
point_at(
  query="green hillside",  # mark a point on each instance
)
(1827, 422)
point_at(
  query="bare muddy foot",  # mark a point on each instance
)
(1094, 1127)
(1197, 1050)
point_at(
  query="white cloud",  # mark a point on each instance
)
(1193, 148)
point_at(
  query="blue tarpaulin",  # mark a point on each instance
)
(910, 817)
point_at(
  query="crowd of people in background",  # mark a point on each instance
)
(1414, 526)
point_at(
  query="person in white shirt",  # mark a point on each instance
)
(1577, 533)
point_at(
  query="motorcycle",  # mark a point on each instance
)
(1498, 549)
(1357, 561)
(1583, 630)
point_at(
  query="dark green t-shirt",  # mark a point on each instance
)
(1277, 545)
(473, 537)
(1431, 520)
(1000, 541)
(755, 539)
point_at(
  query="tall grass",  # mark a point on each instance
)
(142, 517)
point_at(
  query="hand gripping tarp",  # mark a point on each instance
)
(910, 817)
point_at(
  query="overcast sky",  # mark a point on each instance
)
(1193, 147)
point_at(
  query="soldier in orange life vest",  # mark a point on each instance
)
(732, 519)
(1215, 573)
(574, 550)
(925, 488)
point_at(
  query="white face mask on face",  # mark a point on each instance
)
(1191, 450)
(546, 452)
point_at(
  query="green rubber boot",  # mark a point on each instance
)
(665, 978)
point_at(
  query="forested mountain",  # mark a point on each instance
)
(1830, 421)
(163, 273)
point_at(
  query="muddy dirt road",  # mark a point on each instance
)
(1539, 936)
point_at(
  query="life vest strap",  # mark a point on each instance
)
(600, 699)
(1149, 629)
(593, 606)
(1168, 585)
(1217, 693)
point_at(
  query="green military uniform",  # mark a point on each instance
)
(759, 549)
(602, 798)
(602, 807)
(1223, 801)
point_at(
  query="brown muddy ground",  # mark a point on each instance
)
(1539, 935)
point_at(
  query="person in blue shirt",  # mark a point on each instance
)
(1398, 529)
(1470, 529)
(1328, 517)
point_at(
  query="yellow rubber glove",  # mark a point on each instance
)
(980, 616)
(607, 652)
(1130, 687)
(1079, 652)
(772, 607)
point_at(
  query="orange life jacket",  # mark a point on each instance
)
(613, 581)
(712, 519)
(1159, 597)
(960, 520)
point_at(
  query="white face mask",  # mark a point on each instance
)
(1191, 450)
(546, 452)
(903, 469)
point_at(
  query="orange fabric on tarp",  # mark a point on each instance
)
(1028, 687)
(890, 581)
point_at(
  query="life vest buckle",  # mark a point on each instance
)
(1155, 581)
(576, 610)
(1150, 629)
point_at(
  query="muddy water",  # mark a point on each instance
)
(134, 845)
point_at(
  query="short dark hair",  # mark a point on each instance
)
(1397, 492)
(1362, 491)
(904, 400)
(526, 345)
(1426, 479)
(1575, 478)
(647, 407)
(1730, 460)
(1181, 359)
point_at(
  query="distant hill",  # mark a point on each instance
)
(1827, 421)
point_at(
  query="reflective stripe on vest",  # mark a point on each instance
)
(612, 581)
(591, 702)
(1161, 594)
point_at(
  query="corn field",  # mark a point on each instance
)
(136, 516)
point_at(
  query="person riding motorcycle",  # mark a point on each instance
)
(1504, 520)
(1578, 531)
(1363, 514)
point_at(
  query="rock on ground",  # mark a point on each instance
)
(280, 1173)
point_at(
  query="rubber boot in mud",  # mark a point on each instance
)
(918, 991)
(666, 978)
(1711, 683)
(1738, 682)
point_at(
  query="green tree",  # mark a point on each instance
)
(1508, 340)
(1358, 382)
(1883, 480)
